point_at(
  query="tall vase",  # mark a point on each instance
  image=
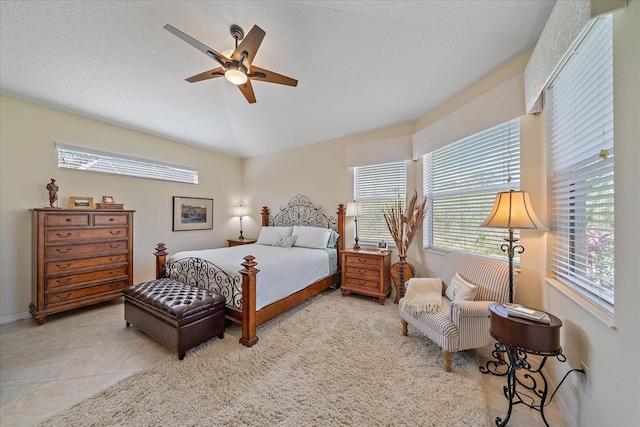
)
(401, 271)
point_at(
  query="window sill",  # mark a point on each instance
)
(582, 302)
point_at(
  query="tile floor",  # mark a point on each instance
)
(45, 369)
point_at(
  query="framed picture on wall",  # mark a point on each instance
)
(192, 213)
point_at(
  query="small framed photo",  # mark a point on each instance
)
(107, 200)
(192, 213)
(382, 246)
(79, 202)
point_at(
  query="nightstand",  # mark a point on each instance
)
(238, 242)
(366, 272)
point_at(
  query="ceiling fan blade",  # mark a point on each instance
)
(250, 44)
(262, 75)
(210, 74)
(247, 91)
(195, 43)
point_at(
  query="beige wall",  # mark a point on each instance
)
(28, 161)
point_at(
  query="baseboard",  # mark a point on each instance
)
(15, 317)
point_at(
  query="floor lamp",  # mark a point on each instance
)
(354, 209)
(240, 212)
(511, 209)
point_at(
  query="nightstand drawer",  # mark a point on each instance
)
(373, 273)
(362, 260)
(362, 283)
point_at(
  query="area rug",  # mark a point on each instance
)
(333, 361)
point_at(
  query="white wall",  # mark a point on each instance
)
(28, 161)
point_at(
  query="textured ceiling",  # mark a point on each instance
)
(361, 65)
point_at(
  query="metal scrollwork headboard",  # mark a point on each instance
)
(301, 211)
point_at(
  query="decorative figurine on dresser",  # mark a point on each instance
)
(53, 193)
(80, 257)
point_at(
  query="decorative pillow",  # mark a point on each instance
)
(268, 234)
(284, 241)
(461, 290)
(311, 237)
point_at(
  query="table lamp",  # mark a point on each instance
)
(354, 209)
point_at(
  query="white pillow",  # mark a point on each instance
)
(268, 234)
(284, 241)
(461, 290)
(311, 237)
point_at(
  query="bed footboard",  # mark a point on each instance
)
(203, 275)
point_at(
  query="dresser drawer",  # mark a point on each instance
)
(362, 260)
(372, 273)
(112, 273)
(72, 251)
(111, 219)
(75, 264)
(66, 297)
(68, 219)
(56, 236)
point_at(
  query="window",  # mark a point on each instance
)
(580, 126)
(71, 157)
(378, 187)
(461, 180)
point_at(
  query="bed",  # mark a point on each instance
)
(292, 270)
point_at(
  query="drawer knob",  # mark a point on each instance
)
(66, 235)
(68, 219)
(63, 251)
(63, 266)
(114, 233)
(112, 246)
(66, 280)
(111, 219)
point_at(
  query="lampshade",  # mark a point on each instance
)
(512, 209)
(354, 209)
(240, 211)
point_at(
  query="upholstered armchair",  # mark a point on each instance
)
(463, 325)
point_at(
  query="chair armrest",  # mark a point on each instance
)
(469, 309)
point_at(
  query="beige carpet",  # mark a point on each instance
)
(333, 361)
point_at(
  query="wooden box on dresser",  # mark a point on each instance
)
(366, 272)
(81, 257)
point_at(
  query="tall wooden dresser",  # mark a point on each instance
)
(81, 257)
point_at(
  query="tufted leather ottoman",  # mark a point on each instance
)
(178, 315)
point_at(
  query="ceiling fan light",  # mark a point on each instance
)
(236, 77)
(227, 53)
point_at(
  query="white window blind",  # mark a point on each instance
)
(460, 183)
(78, 158)
(580, 126)
(378, 187)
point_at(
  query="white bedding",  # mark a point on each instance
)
(283, 271)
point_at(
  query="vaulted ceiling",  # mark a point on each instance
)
(361, 65)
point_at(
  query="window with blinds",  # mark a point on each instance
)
(461, 181)
(378, 187)
(580, 126)
(71, 157)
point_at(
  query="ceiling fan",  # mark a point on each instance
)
(236, 65)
